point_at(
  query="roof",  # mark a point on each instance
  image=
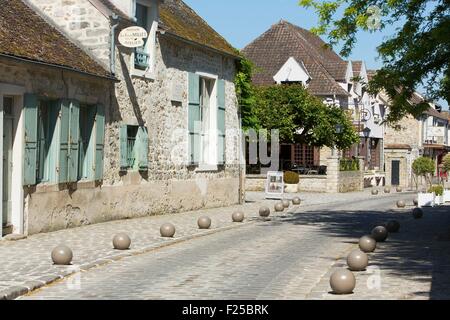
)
(178, 19)
(370, 74)
(357, 66)
(272, 49)
(398, 146)
(26, 35)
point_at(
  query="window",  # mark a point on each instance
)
(63, 144)
(86, 142)
(206, 121)
(47, 139)
(146, 17)
(133, 148)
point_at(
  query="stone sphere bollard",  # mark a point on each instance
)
(416, 202)
(417, 213)
(286, 203)
(62, 255)
(357, 260)
(367, 244)
(264, 212)
(167, 230)
(238, 216)
(121, 241)
(401, 204)
(374, 192)
(342, 281)
(296, 201)
(279, 207)
(380, 234)
(387, 190)
(393, 226)
(204, 222)
(399, 189)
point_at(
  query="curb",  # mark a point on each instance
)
(33, 285)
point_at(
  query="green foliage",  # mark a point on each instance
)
(349, 165)
(291, 177)
(424, 167)
(245, 94)
(437, 189)
(302, 118)
(446, 163)
(418, 53)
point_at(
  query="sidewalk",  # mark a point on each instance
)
(26, 264)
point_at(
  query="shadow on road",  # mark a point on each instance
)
(420, 251)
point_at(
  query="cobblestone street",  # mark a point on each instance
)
(289, 257)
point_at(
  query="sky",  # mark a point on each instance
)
(242, 21)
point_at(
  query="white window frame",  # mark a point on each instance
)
(209, 161)
(150, 46)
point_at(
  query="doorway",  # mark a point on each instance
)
(8, 134)
(395, 173)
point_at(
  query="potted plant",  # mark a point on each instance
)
(446, 169)
(438, 190)
(424, 167)
(291, 180)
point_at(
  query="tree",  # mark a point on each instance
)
(423, 167)
(446, 163)
(418, 53)
(245, 93)
(302, 118)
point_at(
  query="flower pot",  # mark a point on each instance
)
(446, 195)
(426, 199)
(291, 188)
(439, 200)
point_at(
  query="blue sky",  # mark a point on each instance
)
(241, 21)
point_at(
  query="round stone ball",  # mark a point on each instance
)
(279, 207)
(121, 241)
(264, 212)
(296, 201)
(342, 281)
(374, 192)
(357, 261)
(380, 233)
(204, 222)
(286, 203)
(399, 189)
(401, 204)
(367, 244)
(238, 216)
(62, 255)
(393, 226)
(417, 213)
(416, 202)
(387, 190)
(167, 230)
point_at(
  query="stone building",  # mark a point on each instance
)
(170, 140)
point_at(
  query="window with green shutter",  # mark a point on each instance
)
(133, 148)
(31, 108)
(99, 142)
(221, 129)
(194, 119)
(86, 142)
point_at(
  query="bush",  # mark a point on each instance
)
(446, 163)
(291, 177)
(437, 189)
(425, 167)
(349, 165)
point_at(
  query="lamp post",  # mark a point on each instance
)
(366, 133)
(338, 130)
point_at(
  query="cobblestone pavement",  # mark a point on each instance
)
(26, 264)
(289, 257)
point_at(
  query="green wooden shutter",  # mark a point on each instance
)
(62, 167)
(123, 137)
(221, 122)
(30, 155)
(74, 136)
(142, 148)
(99, 142)
(194, 125)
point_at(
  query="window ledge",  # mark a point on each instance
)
(136, 73)
(207, 167)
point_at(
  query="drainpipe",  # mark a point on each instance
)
(112, 61)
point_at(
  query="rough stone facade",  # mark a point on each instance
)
(170, 185)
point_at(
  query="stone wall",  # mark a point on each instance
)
(81, 21)
(313, 183)
(407, 132)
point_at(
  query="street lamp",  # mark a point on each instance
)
(338, 129)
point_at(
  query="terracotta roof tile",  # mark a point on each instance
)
(356, 66)
(273, 48)
(24, 34)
